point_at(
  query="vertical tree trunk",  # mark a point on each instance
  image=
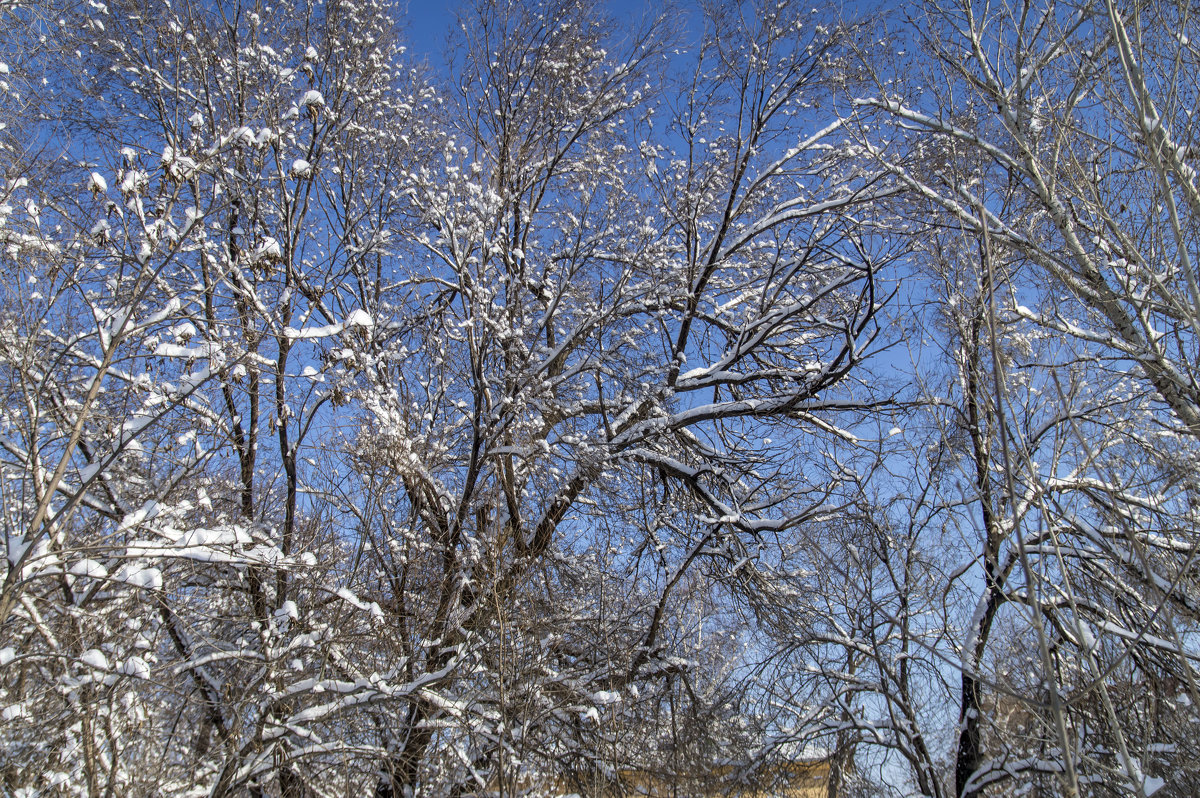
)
(400, 778)
(968, 758)
(969, 755)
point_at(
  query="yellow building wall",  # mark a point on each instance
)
(790, 780)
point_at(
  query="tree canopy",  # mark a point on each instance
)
(621, 400)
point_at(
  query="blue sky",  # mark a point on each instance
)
(426, 24)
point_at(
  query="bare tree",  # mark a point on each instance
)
(628, 302)
(1052, 140)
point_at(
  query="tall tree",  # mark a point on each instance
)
(1051, 141)
(359, 432)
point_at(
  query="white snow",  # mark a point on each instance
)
(177, 165)
(269, 249)
(135, 667)
(606, 697)
(312, 99)
(146, 578)
(359, 318)
(313, 332)
(203, 349)
(90, 568)
(244, 136)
